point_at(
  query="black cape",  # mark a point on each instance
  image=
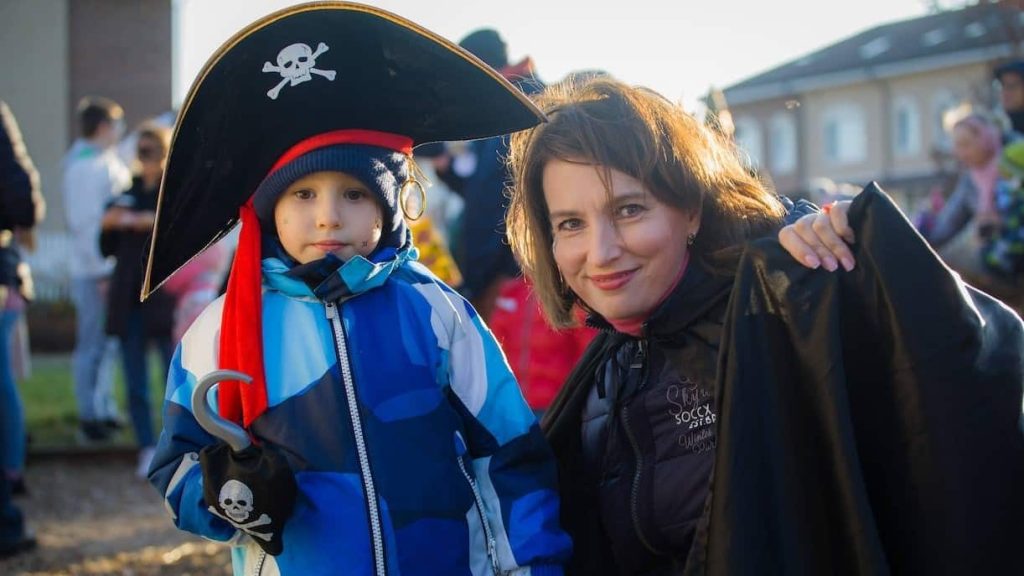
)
(870, 421)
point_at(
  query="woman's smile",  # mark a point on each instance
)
(613, 281)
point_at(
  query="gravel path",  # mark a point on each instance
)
(97, 518)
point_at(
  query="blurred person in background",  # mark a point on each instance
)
(444, 205)
(1011, 94)
(93, 176)
(483, 253)
(21, 207)
(1003, 254)
(128, 146)
(969, 217)
(197, 284)
(431, 230)
(126, 226)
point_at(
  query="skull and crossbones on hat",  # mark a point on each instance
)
(296, 63)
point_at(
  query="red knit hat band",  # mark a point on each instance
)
(396, 142)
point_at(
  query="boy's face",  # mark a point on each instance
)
(327, 212)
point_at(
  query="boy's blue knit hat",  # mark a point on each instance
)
(383, 170)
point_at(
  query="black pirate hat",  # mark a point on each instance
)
(309, 88)
(306, 70)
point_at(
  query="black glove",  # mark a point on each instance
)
(253, 489)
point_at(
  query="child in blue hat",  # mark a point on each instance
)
(384, 431)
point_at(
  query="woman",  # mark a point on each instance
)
(644, 213)
(625, 206)
(126, 227)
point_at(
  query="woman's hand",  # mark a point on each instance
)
(821, 239)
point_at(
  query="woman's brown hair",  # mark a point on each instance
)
(641, 134)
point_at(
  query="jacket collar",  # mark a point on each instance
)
(696, 293)
(332, 280)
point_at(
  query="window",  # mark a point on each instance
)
(782, 142)
(934, 37)
(944, 107)
(748, 138)
(876, 47)
(906, 127)
(845, 134)
(975, 30)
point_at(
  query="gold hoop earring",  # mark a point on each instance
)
(403, 198)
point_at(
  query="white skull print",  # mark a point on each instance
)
(236, 500)
(296, 63)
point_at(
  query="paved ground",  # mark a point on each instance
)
(97, 518)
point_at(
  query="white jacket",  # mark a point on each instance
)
(92, 177)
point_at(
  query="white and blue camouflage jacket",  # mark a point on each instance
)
(392, 387)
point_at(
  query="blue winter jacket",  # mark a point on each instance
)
(399, 391)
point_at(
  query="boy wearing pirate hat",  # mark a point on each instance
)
(382, 431)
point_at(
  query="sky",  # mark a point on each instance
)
(678, 47)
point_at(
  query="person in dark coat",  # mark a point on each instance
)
(21, 207)
(126, 228)
(483, 254)
(1010, 76)
(627, 207)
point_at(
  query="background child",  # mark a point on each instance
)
(379, 401)
(1003, 253)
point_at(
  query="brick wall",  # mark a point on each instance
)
(121, 49)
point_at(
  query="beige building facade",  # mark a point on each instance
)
(866, 120)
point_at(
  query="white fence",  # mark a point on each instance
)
(49, 263)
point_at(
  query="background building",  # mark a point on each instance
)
(875, 106)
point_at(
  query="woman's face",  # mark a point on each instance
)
(620, 254)
(327, 212)
(969, 148)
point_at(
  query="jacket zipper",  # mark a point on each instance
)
(634, 495)
(259, 563)
(491, 543)
(357, 431)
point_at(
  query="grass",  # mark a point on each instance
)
(51, 415)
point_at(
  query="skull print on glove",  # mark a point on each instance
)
(253, 490)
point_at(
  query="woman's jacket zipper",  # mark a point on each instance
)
(634, 499)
